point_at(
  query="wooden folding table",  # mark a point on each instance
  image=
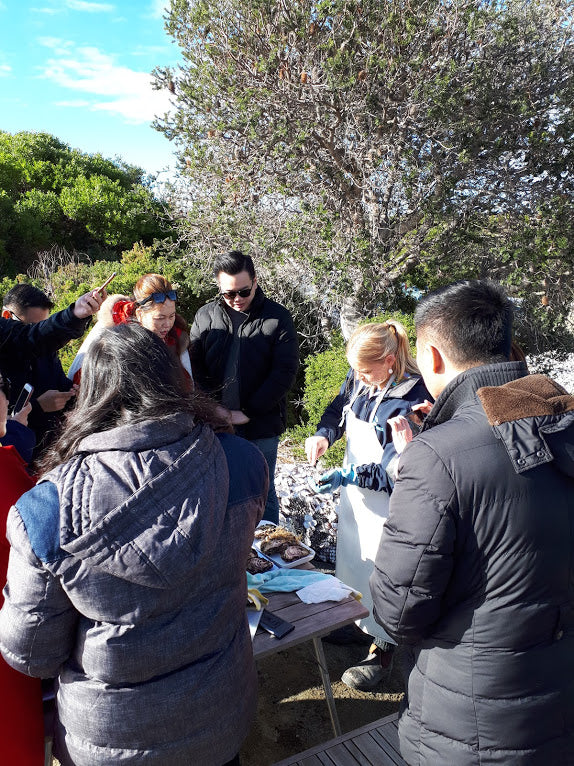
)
(311, 622)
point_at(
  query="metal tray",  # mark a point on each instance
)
(276, 558)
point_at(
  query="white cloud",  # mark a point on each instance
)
(48, 11)
(5, 70)
(124, 91)
(159, 8)
(58, 46)
(74, 104)
(82, 5)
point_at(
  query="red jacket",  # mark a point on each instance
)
(21, 715)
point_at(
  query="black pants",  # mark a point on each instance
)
(234, 762)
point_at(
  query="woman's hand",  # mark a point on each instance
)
(233, 417)
(401, 431)
(315, 446)
(54, 401)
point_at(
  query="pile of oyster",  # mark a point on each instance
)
(278, 541)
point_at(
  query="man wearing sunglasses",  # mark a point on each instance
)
(244, 352)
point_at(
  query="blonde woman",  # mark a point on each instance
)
(383, 382)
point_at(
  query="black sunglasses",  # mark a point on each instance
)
(245, 292)
(5, 387)
(159, 297)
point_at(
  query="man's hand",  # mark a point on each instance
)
(238, 418)
(88, 304)
(22, 415)
(233, 417)
(53, 401)
(315, 446)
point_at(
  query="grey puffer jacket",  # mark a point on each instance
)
(475, 572)
(127, 580)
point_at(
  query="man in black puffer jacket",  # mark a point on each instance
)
(244, 352)
(475, 570)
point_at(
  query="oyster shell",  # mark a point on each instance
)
(256, 564)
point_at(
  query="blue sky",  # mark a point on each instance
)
(80, 70)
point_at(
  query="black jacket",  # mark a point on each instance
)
(28, 355)
(267, 363)
(475, 571)
(19, 339)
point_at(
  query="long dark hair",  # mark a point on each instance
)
(128, 376)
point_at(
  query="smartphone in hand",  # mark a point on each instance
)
(415, 421)
(23, 398)
(106, 283)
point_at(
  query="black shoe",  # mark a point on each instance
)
(347, 635)
(369, 675)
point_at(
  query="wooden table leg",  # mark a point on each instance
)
(322, 662)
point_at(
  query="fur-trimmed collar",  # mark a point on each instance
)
(531, 396)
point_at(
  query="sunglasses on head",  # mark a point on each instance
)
(159, 297)
(245, 292)
(5, 387)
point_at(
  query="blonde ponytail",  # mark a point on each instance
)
(371, 343)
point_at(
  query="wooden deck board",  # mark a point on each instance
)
(376, 743)
(372, 751)
(386, 743)
(324, 758)
(341, 756)
(313, 760)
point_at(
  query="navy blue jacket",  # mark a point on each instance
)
(20, 437)
(28, 354)
(20, 339)
(398, 401)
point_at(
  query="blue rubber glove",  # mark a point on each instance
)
(335, 478)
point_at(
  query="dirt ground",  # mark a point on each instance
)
(293, 715)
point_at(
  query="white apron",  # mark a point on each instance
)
(362, 514)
